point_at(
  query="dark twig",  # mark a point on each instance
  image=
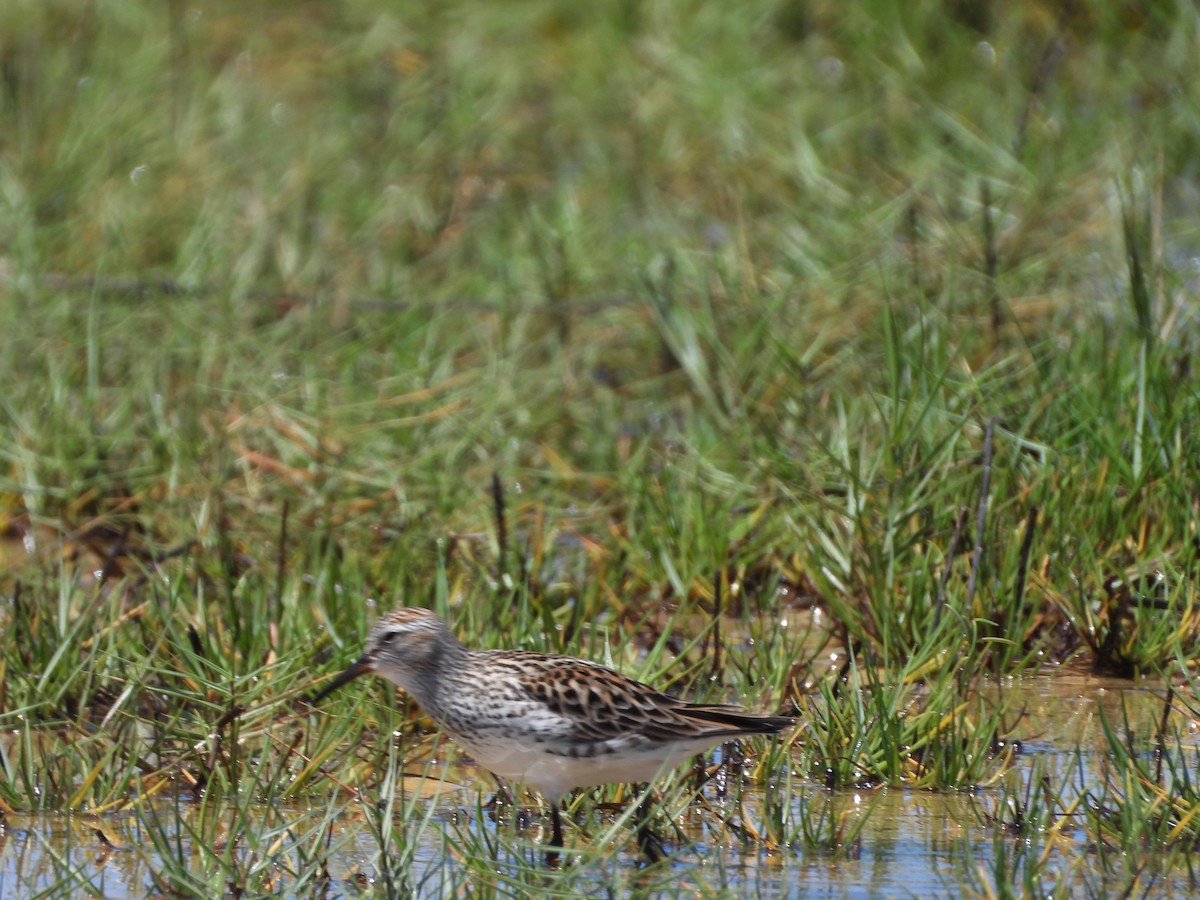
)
(115, 552)
(914, 245)
(175, 551)
(280, 563)
(194, 640)
(718, 581)
(1052, 55)
(501, 527)
(960, 523)
(991, 256)
(1160, 748)
(1031, 520)
(981, 518)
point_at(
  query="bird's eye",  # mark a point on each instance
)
(386, 637)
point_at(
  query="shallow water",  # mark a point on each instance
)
(912, 843)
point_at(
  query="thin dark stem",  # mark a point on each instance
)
(959, 523)
(194, 640)
(1026, 549)
(991, 256)
(281, 562)
(1160, 740)
(715, 669)
(914, 245)
(1048, 62)
(981, 520)
(115, 552)
(501, 526)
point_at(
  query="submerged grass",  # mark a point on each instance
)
(833, 360)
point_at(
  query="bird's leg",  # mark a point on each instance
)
(556, 836)
(649, 843)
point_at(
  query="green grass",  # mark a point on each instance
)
(626, 332)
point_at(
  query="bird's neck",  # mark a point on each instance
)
(433, 685)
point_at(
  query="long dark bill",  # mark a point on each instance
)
(362, 667)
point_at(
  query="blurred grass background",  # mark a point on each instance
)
(393, 254)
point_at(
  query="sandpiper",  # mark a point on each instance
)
(555, 722)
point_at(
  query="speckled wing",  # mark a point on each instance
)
(603, 705)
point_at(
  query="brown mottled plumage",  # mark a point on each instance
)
(555, 722)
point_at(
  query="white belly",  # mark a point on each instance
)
(553, 775)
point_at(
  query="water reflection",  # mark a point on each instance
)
(911, 843)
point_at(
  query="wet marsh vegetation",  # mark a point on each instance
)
(833, 361)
